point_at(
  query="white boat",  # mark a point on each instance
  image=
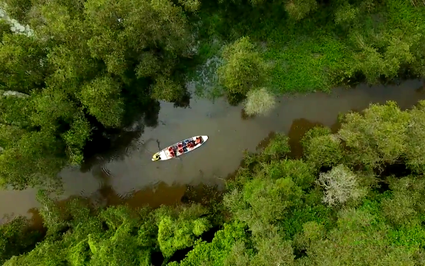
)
(179, 148)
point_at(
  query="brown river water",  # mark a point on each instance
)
(133, 179)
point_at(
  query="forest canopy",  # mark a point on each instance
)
(86, 69)
(357, 199)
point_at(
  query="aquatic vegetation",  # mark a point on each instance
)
(259, 102)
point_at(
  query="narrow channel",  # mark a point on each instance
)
(131, 173)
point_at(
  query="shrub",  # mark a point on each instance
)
(259, 102)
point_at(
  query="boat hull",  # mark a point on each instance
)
(165, 154)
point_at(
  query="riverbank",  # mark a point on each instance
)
(333, 44)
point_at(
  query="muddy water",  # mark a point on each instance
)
(164, 182)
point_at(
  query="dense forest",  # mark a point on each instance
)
(354, 198)
(84, 70)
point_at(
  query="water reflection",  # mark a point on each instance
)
(129, 169)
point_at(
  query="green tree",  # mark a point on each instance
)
(359, 239)
(16, 237)
(340, 185)
(415, 158)
(405, 206)
(278, 146)
(259, 102)
(175, 233)
(321, 148)
(223, 250)
(263, 202)
(298, 9)
(85, 68)
(243, 69)
(377, 136)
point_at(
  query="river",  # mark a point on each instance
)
(132, 175)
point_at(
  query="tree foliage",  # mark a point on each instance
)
(243, 69)
(84, 68)
(340, 185)
(355, 197)
(259, 102)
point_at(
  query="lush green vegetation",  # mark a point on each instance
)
(89, 68)
(355, 198)
(314, 45)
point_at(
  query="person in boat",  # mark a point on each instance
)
(171, 151)
(198, 140)
(191, 144)
(180, 147)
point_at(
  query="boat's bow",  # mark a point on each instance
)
(156, 157)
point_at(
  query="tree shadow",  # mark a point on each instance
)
(234, 99)
(266, 141)
(184, 101)
(297, 131)
(246, 116)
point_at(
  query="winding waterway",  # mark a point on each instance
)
(133, 176)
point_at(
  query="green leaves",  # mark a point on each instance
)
(243, 69)
(223, 248)
(175, 234)
(321, 148)
(101, 97)
(298, 9)
(278, 146)
(415, 156)
(16, 238)
(20, 63)
(259, 102)
(76, 138)
(167, 89)
(87, 64)
(379, 136)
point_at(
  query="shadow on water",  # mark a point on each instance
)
(298, 129)
(245, 116)
(266, 141)
(184, 102)
(113, 144)
(161, 194)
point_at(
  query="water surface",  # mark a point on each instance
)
(155, 183)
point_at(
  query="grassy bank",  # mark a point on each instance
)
(337, 43)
